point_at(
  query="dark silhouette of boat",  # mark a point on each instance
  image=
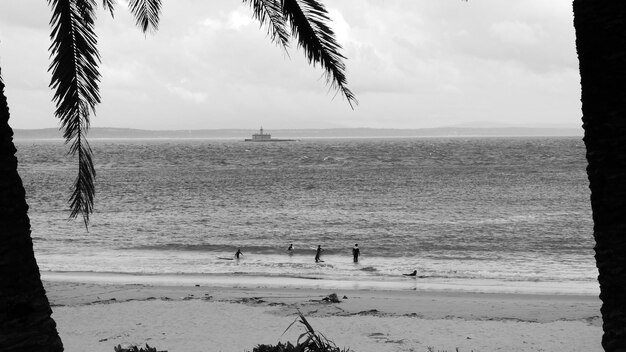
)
(266, 137)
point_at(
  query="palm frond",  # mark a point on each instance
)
(269, 12)
(82, 202)
(147, 13)
(75, 79)
(109, 5)
(308, 19)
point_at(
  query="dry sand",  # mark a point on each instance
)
(96, 317)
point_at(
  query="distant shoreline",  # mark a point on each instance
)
(53, 134)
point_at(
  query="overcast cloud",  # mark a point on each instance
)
(411, 64)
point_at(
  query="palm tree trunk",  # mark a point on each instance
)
(601, 45)
(25, 321)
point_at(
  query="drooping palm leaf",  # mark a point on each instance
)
(308, 20)
(269, 12)
(109, 5)
(75, 79)
(75, 60)
(147, 13)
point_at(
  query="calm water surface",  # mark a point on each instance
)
(508, 214)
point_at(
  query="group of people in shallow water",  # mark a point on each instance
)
(318, 253)
(356, 252)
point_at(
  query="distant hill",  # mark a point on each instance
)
(125, 133)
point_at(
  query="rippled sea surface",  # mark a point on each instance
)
(493, 211)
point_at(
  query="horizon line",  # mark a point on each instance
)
(464, 126)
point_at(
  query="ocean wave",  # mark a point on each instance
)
(369, 269)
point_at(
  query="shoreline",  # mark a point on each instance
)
(393, 303)
(400, 283)
(97, 316)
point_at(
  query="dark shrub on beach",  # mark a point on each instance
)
(119, 348)
(310, 341)
(311, 347)
(278, 348)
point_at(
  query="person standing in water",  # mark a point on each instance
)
(238, 253)
(290, 249)
(318, 253)
(355, 253)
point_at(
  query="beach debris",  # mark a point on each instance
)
(105, 301)
(253, 300)
(384, 338)
(399, 342)
(309, 341)
(413, 315)
(119, 348)
(368, 312)
(331, 298)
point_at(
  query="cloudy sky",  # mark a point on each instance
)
(411, 64)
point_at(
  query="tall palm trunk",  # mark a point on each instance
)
(25, 321)
(601, 45)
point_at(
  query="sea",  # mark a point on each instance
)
(471, 214)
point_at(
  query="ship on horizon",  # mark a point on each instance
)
(266, 137)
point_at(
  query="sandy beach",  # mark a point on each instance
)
(190, 318)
